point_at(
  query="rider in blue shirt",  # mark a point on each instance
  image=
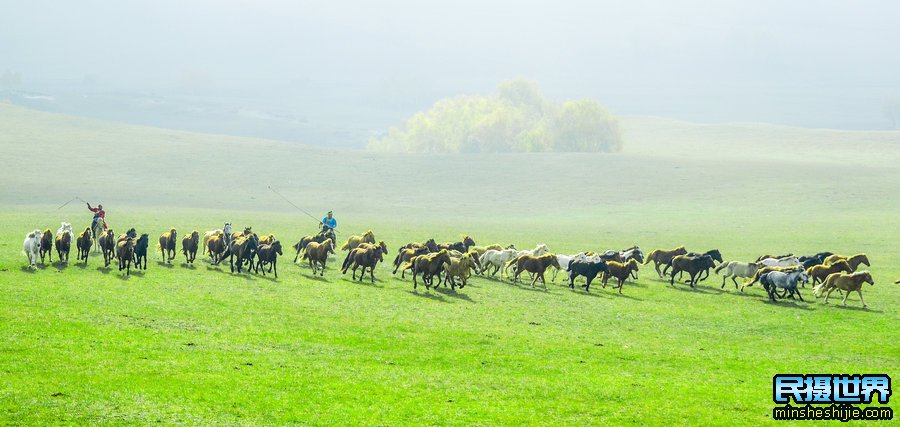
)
(329, 223)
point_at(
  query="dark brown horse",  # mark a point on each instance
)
(83, 243)
(429, 265)
(47, 245)
(268, 254)
(189, 245)
(536, 265)
(318, 238)
(167, 245)
(317, 253)
(63, 245)
(366, 257)
(217, 248)
(462, 246)
(693, 266)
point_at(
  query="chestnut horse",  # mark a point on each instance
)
(317, 253)
(845, 282)
(535, 265)
(83, 243)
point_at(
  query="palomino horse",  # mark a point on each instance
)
(97, 229)
(846, 282)
(83, 244)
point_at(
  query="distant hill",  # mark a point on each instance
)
(49, 158)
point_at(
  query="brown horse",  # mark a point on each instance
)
(107, 243)
(167, 245)
(536, 266)
(354, 241)
(664, 257)
(47, 245)
(125, 254)
(621, 271)
(845, 282)
(244, 248)
(693, 266)
(63, 245)
(84, 243)
(818, 273)
(404, 256)
(268, 254)
(854, 260)
(189, 245)
(317, 253)
(216, 247)
(365, 257)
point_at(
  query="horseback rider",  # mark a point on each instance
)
(328, 223)
(99, 215)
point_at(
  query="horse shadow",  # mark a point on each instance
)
(105, 269)
(626, 296)
(60, 265)
(188, 266)
(81, 265)
(854, 308)
(797, 304)
(123, 277)
(454, 294)
(28, 269)
(164, 264)
(427, 294)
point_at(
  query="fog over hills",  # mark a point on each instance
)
(337, 73)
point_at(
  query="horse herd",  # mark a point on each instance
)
(454, 263)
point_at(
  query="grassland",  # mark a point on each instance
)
(198, 345)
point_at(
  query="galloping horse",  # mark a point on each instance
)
(167, 245)
(664, 257)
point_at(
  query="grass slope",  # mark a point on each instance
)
(200, 345)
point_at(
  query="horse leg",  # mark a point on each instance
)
(859, 291)
(621, 284)
(798, 293)
(371, 273)
(844, 301)
(275, 266)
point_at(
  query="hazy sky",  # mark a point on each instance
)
(697, 58)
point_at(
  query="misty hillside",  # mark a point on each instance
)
(49, 158)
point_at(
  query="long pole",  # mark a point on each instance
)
(70, 201)
(292, 204)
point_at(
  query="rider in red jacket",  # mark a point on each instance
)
(99, 215)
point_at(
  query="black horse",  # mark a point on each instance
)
(140, 251)
(588, 269)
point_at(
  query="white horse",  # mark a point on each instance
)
(787, 281)
(65, 228)
(32, 247)
(496, 259)
(735, 269)
(782, 262)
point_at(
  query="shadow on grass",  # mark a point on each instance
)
(455, 294)
(123, 276)
(859, 308)
(791, 304)
(164, 264)
(427, 294)
(188, 266)
(60, 265)
(28, 269)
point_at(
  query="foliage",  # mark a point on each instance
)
(517, 118)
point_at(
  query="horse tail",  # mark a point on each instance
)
(652, 256)
(346, 262)
(721, 266)
(397, 260)
(817, 291)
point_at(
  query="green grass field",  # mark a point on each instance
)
(198, 345)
